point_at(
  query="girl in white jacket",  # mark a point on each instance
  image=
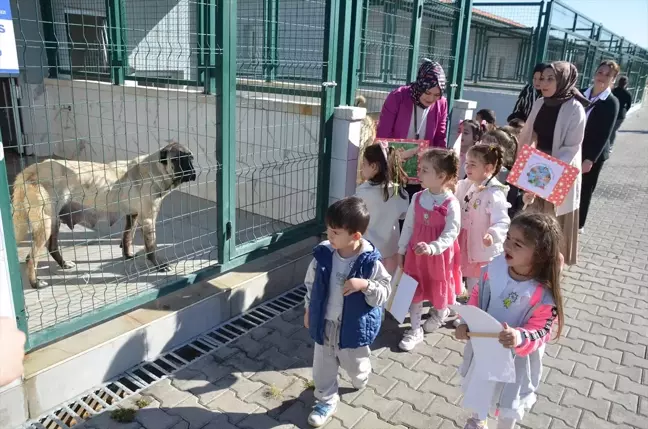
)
(383, 191)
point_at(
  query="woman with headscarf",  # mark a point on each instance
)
(417, 111)
(556, 126)
(529, 94)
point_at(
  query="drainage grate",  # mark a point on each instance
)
(107, 396)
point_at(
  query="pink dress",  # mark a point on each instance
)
(438, 276)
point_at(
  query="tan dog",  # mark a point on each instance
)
(136, 188)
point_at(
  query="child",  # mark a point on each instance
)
(484, 211)
(471, 134)
(521, 289)
(517, 124)
(487, 115)
(506, 138)
(346, 286)
(384, 194)
(428, 249)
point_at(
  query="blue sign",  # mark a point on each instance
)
(8, 54)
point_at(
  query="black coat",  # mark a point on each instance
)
(603, 114)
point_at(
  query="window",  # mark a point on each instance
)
(88, 45)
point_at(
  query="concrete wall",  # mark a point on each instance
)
(277, 140)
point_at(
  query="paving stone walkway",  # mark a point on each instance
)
(596, 376)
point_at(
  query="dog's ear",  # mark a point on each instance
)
(163, 156)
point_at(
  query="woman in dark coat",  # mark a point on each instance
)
(601, 116)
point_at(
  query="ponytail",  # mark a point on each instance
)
(390, 170)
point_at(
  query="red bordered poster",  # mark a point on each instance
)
(543, 175)
(410, 165)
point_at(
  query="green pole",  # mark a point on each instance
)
(343, 63)
(11, 250)
(464, 44)
(224, 35)
(543, 40)
(270, 31)
(116, 12)
(355, 53)
(415, 39)
(51, 47)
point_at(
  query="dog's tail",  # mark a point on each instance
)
(360, 101)
(31, 206)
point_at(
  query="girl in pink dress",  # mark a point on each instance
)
(428, 249)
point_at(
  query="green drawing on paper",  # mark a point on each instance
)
(410, 166)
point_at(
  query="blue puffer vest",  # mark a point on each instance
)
(360, 321)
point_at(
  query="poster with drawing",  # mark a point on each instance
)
(410, 165)
(543, 175)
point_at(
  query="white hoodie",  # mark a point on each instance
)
(383, 229)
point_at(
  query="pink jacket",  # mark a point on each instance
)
(396, 117)
(485, 212)
(537, 330)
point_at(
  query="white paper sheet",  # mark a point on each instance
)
(493, 361)
(403, 288)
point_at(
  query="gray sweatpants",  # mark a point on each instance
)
(329, 358)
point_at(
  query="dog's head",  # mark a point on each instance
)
(177, 161)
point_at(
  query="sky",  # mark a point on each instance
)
(627, 18)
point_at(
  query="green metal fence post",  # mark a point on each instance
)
(464, 44)
(11, 250)
(51, 47)
(343, 63)
(225, 73)
(415, 39)
(355, 52)
(201, 42)
(270, 32)
(332, 12)
(116, 13)
(543, 39)
(362, 65)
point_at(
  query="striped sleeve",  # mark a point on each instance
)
(537, 330)
(524, 104)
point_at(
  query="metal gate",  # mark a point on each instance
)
(107, 80)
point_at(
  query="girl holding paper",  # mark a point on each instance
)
(428, 249)
(521, 289)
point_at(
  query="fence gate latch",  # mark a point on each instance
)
(228, 230)
(329, 84)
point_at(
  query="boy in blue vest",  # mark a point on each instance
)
(347, 286)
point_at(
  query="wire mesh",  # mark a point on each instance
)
(502, 42)
(278, 134)
(68, 112)
(437, 32)
(575, 38)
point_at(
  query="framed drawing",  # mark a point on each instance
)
(410, 165)
(543, 175)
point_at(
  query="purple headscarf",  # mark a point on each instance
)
(430, 75)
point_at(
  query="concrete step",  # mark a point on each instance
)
(70, 367)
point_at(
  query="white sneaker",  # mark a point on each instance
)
(436, 320)
(321, 414)
(411, 339)
(581, 230)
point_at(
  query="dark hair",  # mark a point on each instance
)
(390, 170)
(491, 154)
(543, 232)
(488, 115)
(622, 82)
(350, 214)
(516, 123)
(444, 161)
(611, 64)
(477, 129)
(539, 68)
(505, 138)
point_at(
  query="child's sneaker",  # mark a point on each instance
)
(321, 414)
(411, 339)
(436, 320)
(474, 423)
